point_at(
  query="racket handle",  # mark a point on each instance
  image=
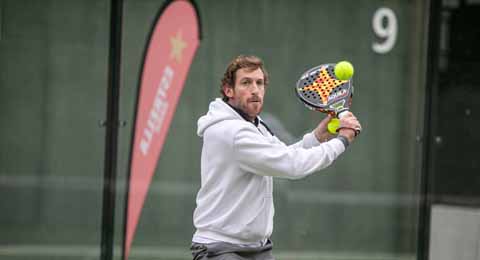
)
(342, 113)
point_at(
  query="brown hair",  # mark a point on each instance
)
(249, 62)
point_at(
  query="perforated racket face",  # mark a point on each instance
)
(321, 90)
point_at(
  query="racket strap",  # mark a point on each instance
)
(357, 132)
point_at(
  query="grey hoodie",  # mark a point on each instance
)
(239, 159)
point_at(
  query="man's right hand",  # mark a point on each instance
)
(349, 125)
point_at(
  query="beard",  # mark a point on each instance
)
(252, 107)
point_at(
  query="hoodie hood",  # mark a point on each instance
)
(218, 111)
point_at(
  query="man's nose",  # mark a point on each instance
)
(254, 87)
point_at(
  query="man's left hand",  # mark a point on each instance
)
(321, 132)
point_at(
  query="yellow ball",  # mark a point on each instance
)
(344, 70)
(333, 125)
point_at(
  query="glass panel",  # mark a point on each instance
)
(363, 207)
(452, 149)
(453, 164)
(53, 70)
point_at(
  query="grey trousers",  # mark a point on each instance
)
(227, 251)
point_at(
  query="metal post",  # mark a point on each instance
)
(111, 140)
(423, 235)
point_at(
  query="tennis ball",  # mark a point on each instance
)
(344, 70)
(333, 125)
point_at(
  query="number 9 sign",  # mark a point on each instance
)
(384, 25)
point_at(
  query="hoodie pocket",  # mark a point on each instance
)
(252, 229)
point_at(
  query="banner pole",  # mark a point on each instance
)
(112, 124)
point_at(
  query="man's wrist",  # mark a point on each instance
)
(349, 133)
(322, 137)
(317, 136)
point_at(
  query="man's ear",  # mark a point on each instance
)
(228, 90)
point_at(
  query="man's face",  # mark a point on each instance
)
(247, 94)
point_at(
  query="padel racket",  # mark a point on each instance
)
(321, 90)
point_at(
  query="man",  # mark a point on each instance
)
(240, 155)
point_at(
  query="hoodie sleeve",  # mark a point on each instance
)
(257, 155)
(308, 141)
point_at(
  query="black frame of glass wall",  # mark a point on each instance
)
(448, 167)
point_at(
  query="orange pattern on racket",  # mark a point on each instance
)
(319, 89)
(323, 84)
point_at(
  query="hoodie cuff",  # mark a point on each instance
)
(309, 140)
(344, 140)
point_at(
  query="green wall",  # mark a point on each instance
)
(52, 94)
(53, 79)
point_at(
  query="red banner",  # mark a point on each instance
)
(168, 56)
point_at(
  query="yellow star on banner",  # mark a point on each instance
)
(177, 46)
